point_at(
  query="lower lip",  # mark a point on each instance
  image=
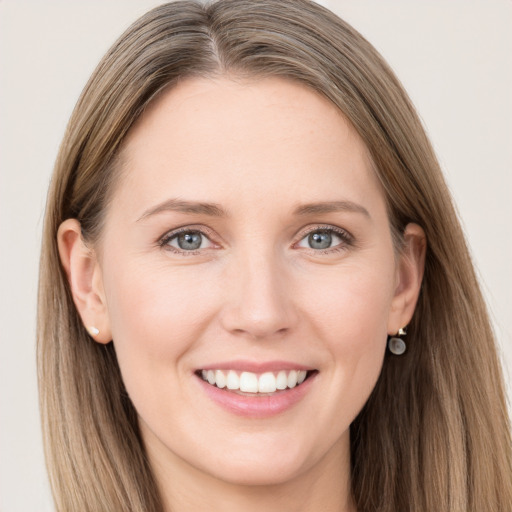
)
(257, 406)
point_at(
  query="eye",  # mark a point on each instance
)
(186, 240)
(325, 238)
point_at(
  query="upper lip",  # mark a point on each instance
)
(256, 366)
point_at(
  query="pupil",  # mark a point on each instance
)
(189, 241)
(320, 240)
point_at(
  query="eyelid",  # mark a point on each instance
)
(326, 227)
(345, 236)
(164, 240)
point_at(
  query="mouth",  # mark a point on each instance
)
(257, 389)
(269, 390)
(253, 384)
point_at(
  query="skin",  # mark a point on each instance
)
(255, 290)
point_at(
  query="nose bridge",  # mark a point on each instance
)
(259, 301)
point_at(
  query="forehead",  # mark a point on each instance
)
(260, 111)
(244, 140)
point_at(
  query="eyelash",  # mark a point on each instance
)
(347, 239)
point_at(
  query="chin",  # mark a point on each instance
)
(259, 474)
(267, 467)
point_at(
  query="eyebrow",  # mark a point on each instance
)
(330, 207)
(216, 210)
(178, 205)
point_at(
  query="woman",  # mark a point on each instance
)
(204, 346)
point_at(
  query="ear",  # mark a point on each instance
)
(85, 280)
(409, 274)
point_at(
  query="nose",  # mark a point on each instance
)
(259, 298)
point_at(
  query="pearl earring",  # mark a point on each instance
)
(93, 331)
(397, 345)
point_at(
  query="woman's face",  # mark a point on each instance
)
(248, 240)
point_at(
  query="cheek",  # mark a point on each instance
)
(157, 316)
(350, 306)
(350, 318)
(157, 299)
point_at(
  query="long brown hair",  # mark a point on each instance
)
(434, 435)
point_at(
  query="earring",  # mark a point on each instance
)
(93, 331)
(397, 345)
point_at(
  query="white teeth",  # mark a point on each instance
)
(249, 382)
(233, 380)
(282, 380)
(220, 379)
(267, 383)
(292, 379)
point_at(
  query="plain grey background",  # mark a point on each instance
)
(454, 58)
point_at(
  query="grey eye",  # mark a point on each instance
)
(187, 241)
(321, 239)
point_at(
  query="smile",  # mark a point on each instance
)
(270, 389)
(249, 382)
